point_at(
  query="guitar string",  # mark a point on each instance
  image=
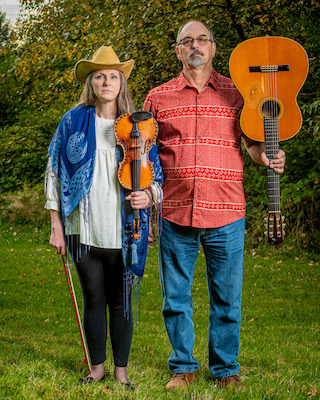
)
(276, 139)
(271, 129)
(274, 134)
(271, 126)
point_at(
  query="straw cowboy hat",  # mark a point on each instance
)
(103, 58)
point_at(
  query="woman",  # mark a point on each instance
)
(91, 213)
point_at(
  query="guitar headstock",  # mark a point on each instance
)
(275, 228)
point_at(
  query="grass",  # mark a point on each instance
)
(40, 349)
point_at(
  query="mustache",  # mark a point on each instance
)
(195, 52)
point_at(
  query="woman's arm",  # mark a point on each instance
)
(52, 198)
(57, 236)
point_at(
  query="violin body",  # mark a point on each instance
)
(269, 72)
(136, 133)
(134, 149)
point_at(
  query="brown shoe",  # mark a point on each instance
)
(180, 380)
(231, 382)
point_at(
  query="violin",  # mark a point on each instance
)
(269, 73)
(136, 133)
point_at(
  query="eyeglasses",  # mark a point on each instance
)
(188, 42)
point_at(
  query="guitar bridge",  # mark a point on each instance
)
(269, 68)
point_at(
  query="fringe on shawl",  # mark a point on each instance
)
(132, 283)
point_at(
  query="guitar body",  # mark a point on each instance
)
(257, 88)
(269, 72)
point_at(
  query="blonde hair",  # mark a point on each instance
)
(124, 99)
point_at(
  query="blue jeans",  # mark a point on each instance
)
(223, 249)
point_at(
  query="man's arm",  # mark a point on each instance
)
(257, 151)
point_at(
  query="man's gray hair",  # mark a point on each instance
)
(193, 20)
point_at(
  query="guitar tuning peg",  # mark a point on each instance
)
(283, 218)
(265, 218)
(265, 232)
(284, 232)
(284, 225)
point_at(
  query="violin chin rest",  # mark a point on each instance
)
(141, 116)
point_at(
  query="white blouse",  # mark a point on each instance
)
(98, 216)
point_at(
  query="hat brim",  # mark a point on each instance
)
(83, 68)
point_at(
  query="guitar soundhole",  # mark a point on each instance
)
(270, 109)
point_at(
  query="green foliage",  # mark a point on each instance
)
(25, 206)
(37, 85)
(23, 153)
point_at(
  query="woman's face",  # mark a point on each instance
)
(106, 85)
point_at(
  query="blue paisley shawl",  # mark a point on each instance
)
(72, 152)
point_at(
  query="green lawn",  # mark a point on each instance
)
(40, 349)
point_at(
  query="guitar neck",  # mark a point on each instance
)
(271, 130)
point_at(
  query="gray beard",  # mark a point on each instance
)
(195, 62)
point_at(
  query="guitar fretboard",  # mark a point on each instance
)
(271, 131)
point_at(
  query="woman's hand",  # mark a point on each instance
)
(57, 236)
(139, 200)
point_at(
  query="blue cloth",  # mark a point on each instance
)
(72, 152)
(134, 252)
(223, 248)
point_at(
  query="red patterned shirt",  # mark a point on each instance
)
(200, 151)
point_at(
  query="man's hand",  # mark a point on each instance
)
(277, 164)
(257, 151)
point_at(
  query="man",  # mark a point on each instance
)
(199, 145)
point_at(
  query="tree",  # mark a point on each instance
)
(54, 35)
(4, 29)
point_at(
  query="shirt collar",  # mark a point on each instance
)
(183, 83)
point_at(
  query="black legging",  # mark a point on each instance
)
(100, 273)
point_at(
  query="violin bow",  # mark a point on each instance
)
(76, 309)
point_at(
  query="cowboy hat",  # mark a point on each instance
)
(103, 58)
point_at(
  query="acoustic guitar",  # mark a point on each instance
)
(269, 73)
